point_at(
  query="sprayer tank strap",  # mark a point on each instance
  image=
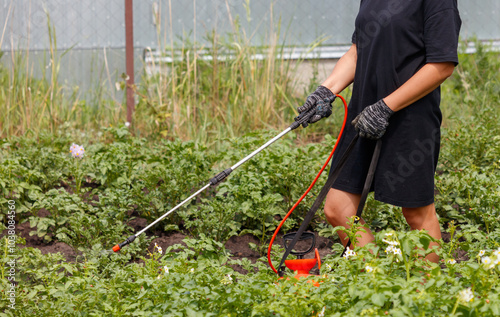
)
(326, 188)
(317, 203)
(366, 188)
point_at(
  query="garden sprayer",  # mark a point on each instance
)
(303, 265)
(301, 234)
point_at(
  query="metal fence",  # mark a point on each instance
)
(94, 24)
(94, 30)
(97, 24)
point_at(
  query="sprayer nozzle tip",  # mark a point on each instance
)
(116, 248)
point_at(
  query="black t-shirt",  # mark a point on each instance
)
(394, 39)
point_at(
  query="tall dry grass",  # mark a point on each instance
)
(31, 104)
(225, 88)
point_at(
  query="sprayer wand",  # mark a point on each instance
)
(302, 119)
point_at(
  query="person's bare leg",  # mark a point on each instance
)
(424, 218)
(339, 206)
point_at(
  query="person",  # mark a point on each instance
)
(402, 51)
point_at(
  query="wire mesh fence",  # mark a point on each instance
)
(94, 30)
(97, 24)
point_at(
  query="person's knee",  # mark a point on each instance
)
(339, 206)
(335, 215)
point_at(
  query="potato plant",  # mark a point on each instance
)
(121, 179)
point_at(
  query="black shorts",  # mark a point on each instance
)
(408, 159)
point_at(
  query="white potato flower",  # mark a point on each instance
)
(466, 295)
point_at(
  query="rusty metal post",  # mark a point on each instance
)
(129, 57)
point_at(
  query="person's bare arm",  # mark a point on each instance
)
(428, 78)
(343, 72)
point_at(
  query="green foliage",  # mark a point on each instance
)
(61, 205)
(254, 198)
(217, 217)
(74, 200)
(167, 174)
(468, 176)
(88, 205)
(474, 87)
(196, 279)
(84, 230)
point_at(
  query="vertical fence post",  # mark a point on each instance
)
(129, 57)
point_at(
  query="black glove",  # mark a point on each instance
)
(321, 99)
(373, 120)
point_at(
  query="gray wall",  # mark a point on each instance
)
(93, 30)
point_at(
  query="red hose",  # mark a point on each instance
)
(308, 189)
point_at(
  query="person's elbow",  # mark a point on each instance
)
(448, 70)
(445, 69)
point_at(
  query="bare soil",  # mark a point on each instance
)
(238, 246)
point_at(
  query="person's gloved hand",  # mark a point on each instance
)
(373, 120)
(321, 99)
